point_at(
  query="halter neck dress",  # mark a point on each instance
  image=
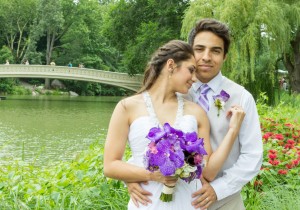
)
(182, 196)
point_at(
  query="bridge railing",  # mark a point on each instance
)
(64, 72)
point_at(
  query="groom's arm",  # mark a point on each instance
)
(138, 194)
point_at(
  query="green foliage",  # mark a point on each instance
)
(258, 41)
(144, 46)
(278, 181)
(137, 28)
(19, 90)
(84, 41)
(281, 197)
(5, 54)
(95, 89)
(79, 184)
(6, 85)
(15, 20)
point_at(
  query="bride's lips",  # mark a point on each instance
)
(190, 84)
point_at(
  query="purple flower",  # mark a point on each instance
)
(155, 134)
(220, 100)
(174, 152)
(192, 144)
(223, 96)
(167, 156)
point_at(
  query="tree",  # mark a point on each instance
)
(291, 57)
(138, 27)
(84, 42)
(262, 32)
(15, 20)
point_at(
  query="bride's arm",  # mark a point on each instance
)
(115, 145)
(216, 159)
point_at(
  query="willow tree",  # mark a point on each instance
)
(263, 33)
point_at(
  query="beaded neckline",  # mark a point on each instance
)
(152, 114)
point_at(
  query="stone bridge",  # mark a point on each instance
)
(72, 73)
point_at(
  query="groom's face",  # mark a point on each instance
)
(209, 54)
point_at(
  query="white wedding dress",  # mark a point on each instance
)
(182, 196)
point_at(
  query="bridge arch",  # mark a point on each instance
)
(72, 73)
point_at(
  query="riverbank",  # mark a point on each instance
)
(40, 90)
(13, 86)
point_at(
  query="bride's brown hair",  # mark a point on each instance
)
(176, 49)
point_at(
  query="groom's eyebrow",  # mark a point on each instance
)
(205, 46)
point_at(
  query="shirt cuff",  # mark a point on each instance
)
(221, 188)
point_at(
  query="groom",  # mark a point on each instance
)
(210, 40)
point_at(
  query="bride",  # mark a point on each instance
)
(170, 71)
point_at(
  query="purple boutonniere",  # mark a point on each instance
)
(220, 100)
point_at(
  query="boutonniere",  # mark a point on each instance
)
(220, 100)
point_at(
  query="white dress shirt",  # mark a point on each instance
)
(245, 158)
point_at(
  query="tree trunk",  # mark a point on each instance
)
(294, 67)
(50, 43)
(47, 83)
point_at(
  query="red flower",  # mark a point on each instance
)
(273, 151)
(296, 162)
(279, 136)
(267, 135)
(274, 162)
(272, 156)
(290, 141)
(289, 165)
(290, 146)
(288, 125)
(282, 171)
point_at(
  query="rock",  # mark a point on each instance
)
(34, 93)
(73, 93)
(57, 84)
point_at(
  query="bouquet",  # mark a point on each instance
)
(174, 153)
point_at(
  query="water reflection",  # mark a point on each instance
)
(50, 128)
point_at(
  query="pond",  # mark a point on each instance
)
(45, 129)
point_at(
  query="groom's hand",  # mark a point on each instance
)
(205, 196)
(138, 194)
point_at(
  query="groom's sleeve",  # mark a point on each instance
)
(251, 150)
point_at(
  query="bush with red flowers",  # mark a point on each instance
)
(280, 128)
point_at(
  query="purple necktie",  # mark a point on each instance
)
(203, 101)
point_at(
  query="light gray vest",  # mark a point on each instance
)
(219, 124)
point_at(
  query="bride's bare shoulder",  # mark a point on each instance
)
(132, 102)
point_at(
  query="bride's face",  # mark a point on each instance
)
(184, 75)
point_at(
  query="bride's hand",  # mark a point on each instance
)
(236, 114)
(167, 180)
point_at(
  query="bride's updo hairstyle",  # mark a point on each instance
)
(176, 49)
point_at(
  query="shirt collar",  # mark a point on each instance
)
(213, 84)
